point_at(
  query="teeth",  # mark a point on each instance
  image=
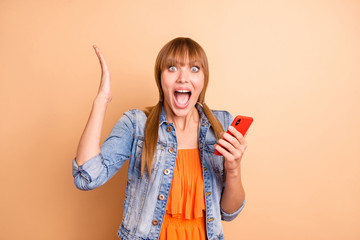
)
(183, 91)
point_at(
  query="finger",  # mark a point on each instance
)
(228, 146)
(237, 134)
(98, 54)
(233, 145)
(231, 152)
(97, 51)
(222, 151)
(101, 58)
(232, 139)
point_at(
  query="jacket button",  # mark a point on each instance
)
(168, 129)
(155, 222)
(205, 168)
(171, 150)
(161, 197)
(208, 193)
(166, 171)
(211, 219)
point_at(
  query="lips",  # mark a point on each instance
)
(182, 97)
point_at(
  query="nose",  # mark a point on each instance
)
(183, 75)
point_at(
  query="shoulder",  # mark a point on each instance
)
(133, 113)
(221, 114)
(224, 117)
(136, 117)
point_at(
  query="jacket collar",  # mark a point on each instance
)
(162, 116)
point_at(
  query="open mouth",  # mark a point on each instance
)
(182, 98)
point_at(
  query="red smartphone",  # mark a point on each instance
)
(240, 123)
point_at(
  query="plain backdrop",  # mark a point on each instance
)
(294, 66)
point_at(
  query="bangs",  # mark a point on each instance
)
(182, 53)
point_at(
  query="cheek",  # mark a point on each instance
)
(199, 84)
(165, 86)
(163, 82)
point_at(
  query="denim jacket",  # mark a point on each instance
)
(145, 198)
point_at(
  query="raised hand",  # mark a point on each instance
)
(104, 88)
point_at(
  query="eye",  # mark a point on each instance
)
(172, 68)
(195, 69)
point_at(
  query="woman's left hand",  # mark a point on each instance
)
(232, 147)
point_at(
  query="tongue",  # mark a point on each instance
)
(182, 98)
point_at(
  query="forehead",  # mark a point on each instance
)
(182, 58)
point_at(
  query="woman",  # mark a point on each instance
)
(176, 186)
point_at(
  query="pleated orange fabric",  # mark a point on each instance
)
(184, 216)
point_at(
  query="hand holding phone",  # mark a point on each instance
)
(240, 123)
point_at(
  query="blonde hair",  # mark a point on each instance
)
(179, 50)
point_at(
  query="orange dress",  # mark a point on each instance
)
(185, 210)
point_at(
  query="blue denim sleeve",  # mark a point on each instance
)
(231, 216)
(113, 153)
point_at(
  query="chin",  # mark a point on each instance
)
(183, 112)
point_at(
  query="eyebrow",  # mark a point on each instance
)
(194, 62)
(182, 63)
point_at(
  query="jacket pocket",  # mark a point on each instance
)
(215, 161)
(158, 156)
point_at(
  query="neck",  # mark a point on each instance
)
(183, 122)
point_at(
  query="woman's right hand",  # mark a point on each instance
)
(104, 88)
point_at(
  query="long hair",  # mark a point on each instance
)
(178, 50)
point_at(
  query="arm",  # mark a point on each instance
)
(94, 165)
(232, 148)
(89, 145)
(115, 150)
(233, 195)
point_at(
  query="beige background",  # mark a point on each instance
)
(292, 65)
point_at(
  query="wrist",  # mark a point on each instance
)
(233, 173)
